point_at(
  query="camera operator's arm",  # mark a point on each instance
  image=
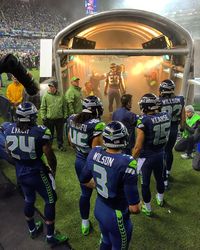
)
(10, 64)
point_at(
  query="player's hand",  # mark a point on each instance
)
(105, 93)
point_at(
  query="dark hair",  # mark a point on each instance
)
(126, 99)
(23, 126)
(167, 95)
(83, 117)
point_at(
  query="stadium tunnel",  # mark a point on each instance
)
(149, 46)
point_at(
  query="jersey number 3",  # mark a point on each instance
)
(102, 181)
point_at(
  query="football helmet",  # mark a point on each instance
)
(115, 135)
(26, 112)
(92, 104)
(167, 87)
(149, 102)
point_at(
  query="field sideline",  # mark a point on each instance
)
(175, 226)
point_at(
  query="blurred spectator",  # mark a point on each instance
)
(54, 111)
(187, 142)
(14, 93)
(87, 90)
(73, 97)
(95, 81)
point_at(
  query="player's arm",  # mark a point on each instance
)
(97, 139)
(131, 189)
(182, 122)
(91, 184)
(122, 84)
(134, 209)
(106, 86)
(139, 143)
(51, 158)
(86, 177)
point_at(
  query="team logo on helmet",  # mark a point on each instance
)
(167, 87)
(149, 102)
(115, 135)
(92, 104)
(26, 112)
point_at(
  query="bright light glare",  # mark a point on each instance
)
(149, 5)
(79, 61)
(148, 65)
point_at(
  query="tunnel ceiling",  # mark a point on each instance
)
(137, 24)
(118, 34)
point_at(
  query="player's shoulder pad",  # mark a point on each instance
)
(45, 131)
(140, 122)
(5, 125)
(131, 169)
(100, 126)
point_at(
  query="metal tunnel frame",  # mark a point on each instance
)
(180, 37)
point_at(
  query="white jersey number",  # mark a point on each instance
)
(102, 181)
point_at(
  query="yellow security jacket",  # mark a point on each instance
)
(14, 92)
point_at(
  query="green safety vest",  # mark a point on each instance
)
(190, 122)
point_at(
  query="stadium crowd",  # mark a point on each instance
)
(22, 35)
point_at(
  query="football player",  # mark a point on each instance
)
(3, 152)
(85, 131)
(114, 175)
(26, 142)
(174, 105)
(152, 135)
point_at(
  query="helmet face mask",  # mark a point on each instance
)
(115, 135)
(149, 102)
(93, 105)
(26, 112)
(167, 87)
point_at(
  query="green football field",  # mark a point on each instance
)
(174, 226)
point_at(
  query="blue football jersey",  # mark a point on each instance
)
(174, 106)
(129, 119)
(3, 152)
(156, 128)
(115, 177)
(81, 135)
(25, 147)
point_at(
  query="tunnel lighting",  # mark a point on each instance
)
(148, 65)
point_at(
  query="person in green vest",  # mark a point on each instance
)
(73, 97)
(53, 112)
(186, 143)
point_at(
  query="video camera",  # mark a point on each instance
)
(10, 64)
